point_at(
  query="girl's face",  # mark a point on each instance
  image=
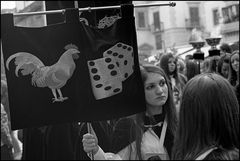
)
(225, 69)
(235, 62)
(171, 65)
(156, 90)
(179, 65)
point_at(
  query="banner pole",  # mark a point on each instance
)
(171, 4)
(90, 131)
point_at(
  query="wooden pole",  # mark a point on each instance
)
(90, 131)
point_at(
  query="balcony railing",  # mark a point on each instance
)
(230, 27)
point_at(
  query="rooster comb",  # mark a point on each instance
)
(70, 46)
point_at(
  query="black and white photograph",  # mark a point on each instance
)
(119, 80)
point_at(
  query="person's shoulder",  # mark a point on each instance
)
(124, 122)
(223, 154)
(123, 134)
(183, 77)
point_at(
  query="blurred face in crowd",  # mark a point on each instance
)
(222, 52)
(225, 69)
(171, 65)
(179, 64)
(235, 62)
(202, 67)
(156, 90)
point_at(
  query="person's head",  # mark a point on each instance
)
(169, 64)
(223, 154)
(205, 65)
(191, 69)
(181, 65)
(223, 66)
(235, 46)
(225, 48)
(188, 57)
(235, 61)
(234, 67)
(157, 88)
(213, 64)
(209, 116)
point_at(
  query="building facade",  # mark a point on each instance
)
(230, 18)
(165, 28)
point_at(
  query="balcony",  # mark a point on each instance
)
(230, 27)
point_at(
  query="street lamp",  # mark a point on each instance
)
(213, 42)
(198, 55)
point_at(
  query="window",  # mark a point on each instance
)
(158, 41)
(215, 17)
(194, 16)
(235, 12)
(141, 20)
(156, 21)
(226, 17)
(230, 13)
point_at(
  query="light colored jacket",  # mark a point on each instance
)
(151, 145)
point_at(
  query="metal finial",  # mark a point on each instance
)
(172, 4)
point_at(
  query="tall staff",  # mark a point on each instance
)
(171, 4)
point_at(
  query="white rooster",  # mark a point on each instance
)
(54, 76)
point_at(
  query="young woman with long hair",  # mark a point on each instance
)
(148, 135)
(181, 65)
(177, 80)
(223, 66)
(191, 69)
(209, 120)
(205, 65)
(234, 71)
(234, 68)
(213, 66)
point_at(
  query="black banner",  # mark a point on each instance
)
(70, 71)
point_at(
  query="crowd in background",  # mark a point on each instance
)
(201, 119)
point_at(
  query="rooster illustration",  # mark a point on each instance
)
(53, 77)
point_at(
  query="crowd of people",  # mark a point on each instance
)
(192, 113)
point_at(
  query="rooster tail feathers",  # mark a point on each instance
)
(24, 61)
(24, 57)
(9, 59)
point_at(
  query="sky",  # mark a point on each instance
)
(7, 4)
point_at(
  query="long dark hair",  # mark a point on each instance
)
(206, 65)
(223, 59)
(191, 69)
(209, 116)
(226, 48)
(232, 77)
(213, 64)
(168, 107)
(164, 65)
